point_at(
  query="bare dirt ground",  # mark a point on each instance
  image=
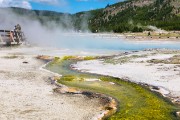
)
(26, 93)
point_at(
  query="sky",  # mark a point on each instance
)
(66, 6)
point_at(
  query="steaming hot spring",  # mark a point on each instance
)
(89, 76)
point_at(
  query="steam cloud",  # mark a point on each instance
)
(37, 33)
(53, 35)
(154, 28)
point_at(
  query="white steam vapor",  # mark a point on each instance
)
(54, 35)
(154, 28)
(49, 35)
(34, 31)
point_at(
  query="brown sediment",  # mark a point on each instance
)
(175, 100)
(44, 57)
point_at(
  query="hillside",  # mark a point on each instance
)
(136, 15)
(130, 15)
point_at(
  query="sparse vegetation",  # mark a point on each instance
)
(173, 60)
(11, 57)
(123, 59)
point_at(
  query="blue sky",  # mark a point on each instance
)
(73, 6)
(68, 6)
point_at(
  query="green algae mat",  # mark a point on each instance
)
(135, 102)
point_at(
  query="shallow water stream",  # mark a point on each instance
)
(135, 102)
